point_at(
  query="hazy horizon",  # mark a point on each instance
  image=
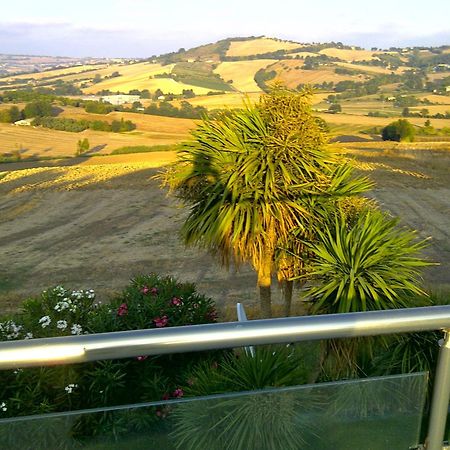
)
(151, 27)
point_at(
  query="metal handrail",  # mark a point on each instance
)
(124, 344)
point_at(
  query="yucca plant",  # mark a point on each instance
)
(368, 263)
(259, 420)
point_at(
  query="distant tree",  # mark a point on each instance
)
(82, 146)
(400, 130)
(145, 93)
(188, 93)
(405, 112)
(10, 115)
(97, 79)
(38, 108)
(335, 108)
(158, 93)
(424, 112)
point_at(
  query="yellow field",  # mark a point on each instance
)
(349, 55)
(231, 100)
(287, 72)
(433, 109)
(44, 142)
(371, 69)
(301, 54)
(441, 99)
(140, 76)
(242, 73)
(355, 120)
(438, 75)
(172, 126)
(257, 46)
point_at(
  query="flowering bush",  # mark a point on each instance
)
(152, 301)
(148, 302)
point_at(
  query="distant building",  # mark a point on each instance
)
(120, 99)
(24, 122)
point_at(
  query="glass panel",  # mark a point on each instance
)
(370, 414)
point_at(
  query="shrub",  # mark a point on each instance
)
(400, 130)
(148, 302)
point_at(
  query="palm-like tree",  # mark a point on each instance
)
(249, 178)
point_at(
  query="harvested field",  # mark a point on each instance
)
(231, 100)
(287, 72)
(353, 119)
(350, 55)
(99, 221)
(257, 46)
(59, 73)
(242, 73)
(434, 98)
(44, 142)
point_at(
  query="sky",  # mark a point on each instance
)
(142, 28)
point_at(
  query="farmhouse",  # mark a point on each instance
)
(24, 122)
(120, 99)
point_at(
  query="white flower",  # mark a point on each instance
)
(3, 406)
(11, 329)
(76, 329)
(70, 387)
(59, 291)
(45, 321)
(29, 336)
(61, 306)
(61, 324)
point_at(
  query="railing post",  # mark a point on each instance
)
(441, 397)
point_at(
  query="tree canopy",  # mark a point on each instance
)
(252, 176)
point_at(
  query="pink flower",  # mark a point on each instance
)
(141, 358)
(145, 290)
(161, 321)
(154, 291)
(177, 393)
(123, 310)
(211, 315)
(176, 301)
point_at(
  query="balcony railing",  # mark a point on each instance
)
(75, 349)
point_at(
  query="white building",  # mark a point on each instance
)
(120, 99)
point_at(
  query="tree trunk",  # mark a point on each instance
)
(287, 294)
(265, 298)
(264, 283)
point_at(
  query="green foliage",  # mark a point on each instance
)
(249, 421)
(10, 115)
(148, 302)
(76, 126)
(98, 107)
(262, 76)
(369, 265)
(38, 108)
(335, 108)
(199, 74)
(249, 177)
(142, 149)
(82, 146)
(401, 130)
(186, 110)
